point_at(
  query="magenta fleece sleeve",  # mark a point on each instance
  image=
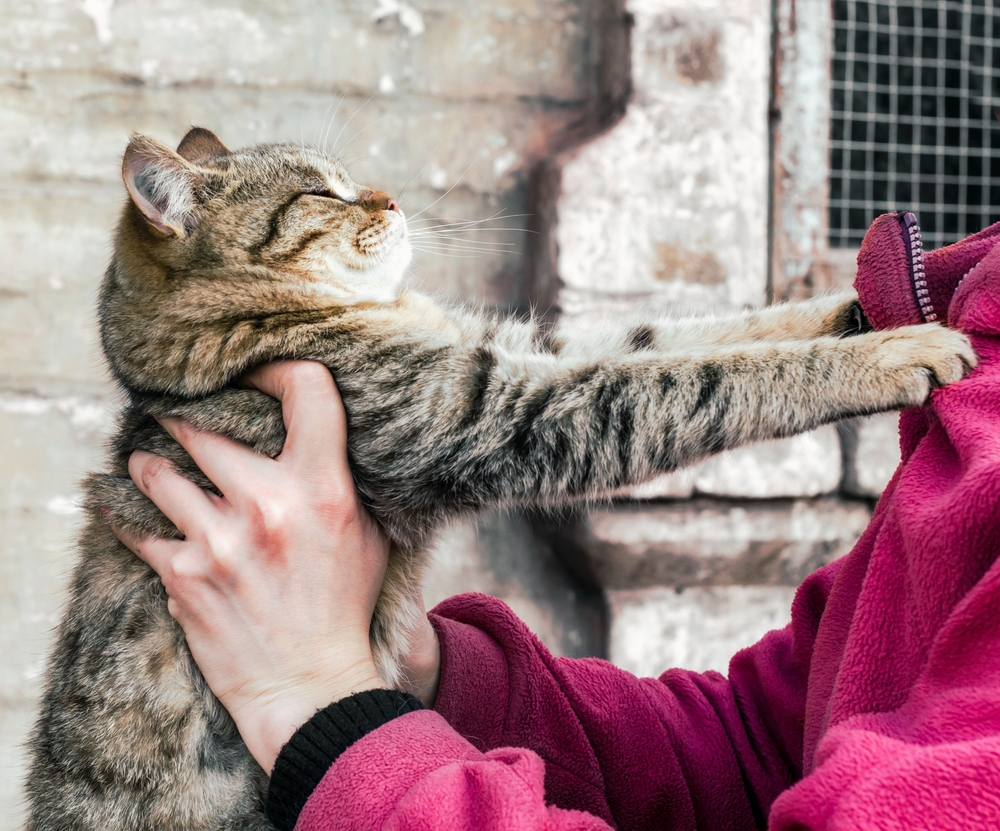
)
(522, 739)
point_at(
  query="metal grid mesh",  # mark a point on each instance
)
(916, 98)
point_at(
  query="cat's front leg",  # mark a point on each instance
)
(837, 314)
(487, 429)
(831, 315)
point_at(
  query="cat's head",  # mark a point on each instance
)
(221, 253)
(284, 207)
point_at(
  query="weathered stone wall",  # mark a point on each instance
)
(670, 209)
(514, 107)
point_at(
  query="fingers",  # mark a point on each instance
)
(312, 408)
(229, 465)
(185, 504)
(157, 553)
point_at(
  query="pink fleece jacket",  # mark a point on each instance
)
(878, 707)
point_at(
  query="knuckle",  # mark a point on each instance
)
(181, 571)
(269, 515)
(340, 494)
(342, 511)
(347, 512)
(174, 608)
(223, 556)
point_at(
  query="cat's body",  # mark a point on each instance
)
(226, 260)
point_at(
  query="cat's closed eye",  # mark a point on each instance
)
(326, 194)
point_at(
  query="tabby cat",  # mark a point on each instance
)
(227, 259)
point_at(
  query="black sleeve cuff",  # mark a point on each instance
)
(318, 743)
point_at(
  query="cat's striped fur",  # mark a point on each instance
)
(224, 260)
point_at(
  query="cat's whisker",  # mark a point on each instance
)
(423, 167)
(426, 243)
(443, 195)
(359, 132)
(322, 124)
(351, 162)
(413, 176)
(359, 109)
(485, 243)
(425, 232)
(448, 244)
(459, 223)
(402, 193)
(453, 226)
(329, 126)
(465, 219)
(454, 239)
(450, 221)
(455, 256)
(441, 248)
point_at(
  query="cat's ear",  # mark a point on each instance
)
(200, 144)
(162, 186)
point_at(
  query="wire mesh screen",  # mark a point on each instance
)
(915, 117)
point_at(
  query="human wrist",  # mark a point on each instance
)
(268, 722)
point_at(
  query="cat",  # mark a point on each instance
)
(226, 259)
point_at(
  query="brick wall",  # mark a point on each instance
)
(662, 203)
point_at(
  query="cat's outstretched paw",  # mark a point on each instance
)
(835, 315)
(840, 315)
(922, 358)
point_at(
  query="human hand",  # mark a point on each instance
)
(276, 580)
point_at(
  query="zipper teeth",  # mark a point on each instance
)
(917, 270)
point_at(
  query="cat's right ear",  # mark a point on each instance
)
(162, 185)
(200, 144)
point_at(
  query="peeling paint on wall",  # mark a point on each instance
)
(99, 12)
(411, 18)
(801, 109)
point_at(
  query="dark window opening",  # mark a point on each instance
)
(916, 117)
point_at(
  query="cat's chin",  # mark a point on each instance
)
(380, 284)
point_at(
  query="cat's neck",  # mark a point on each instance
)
(189, 333)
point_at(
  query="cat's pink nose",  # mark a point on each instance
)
(376, 200)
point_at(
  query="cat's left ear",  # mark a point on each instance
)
(162, 185)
